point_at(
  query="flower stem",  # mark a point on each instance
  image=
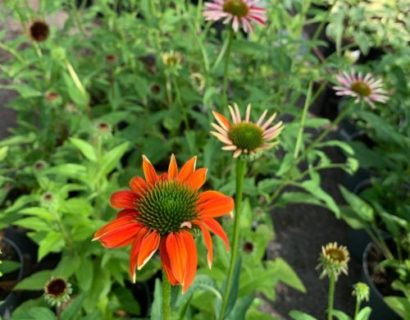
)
(331, 296)
(302, 121)
(226, 67)
(357, 307)
(240, 177)
(166, 297)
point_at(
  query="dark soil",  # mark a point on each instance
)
(301, 231)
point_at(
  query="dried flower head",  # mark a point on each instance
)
(198, 81)
(103, 127)
(39, 30)
(52, 96)
(244, 136)
(110, 58)
(57, 291)
(40, 165)
(172, 59)
(333, 260)
(47, 197)
(239, 13)
(163, 212)
(363, 88)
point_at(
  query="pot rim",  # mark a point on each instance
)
(12, 244)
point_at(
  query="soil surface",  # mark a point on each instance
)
(301, 231)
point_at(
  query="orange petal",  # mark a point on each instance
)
(197, 179)
(208, 243)
(187, 169)
(138, 185)
(115, 224)
(213, 204)
(136, 246)
(149, 245)
(149, 171)
(192, 259)
(128, 213)
(123, 199)
(166, 264)
(222, 120)
(173, 168)
(177, 255)
(216, 228)
(120, 237)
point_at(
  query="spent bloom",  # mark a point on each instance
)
(239, 13)
(333, 260)
(245, 136)
(57, 291)
(362, 87)
(164, 212)
(39, 30)
(361, 291)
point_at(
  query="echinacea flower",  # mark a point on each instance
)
(172, 59)
(57, 291)
(163, 212)
(244, 136)
(39, 30)
(240, 13)
(333, 260)
(363, 88)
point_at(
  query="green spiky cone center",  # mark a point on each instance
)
(246, 136)
(167, 206)
(336, 255)
(237, 8)
(361, 88)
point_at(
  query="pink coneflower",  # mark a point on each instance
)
(244, 136)
(366, 88)
(237, 12)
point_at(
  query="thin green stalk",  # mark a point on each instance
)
(181, 105)
(302, 121)
(240, 177)
(226, 67)
(357, 308)
(166, 297)
(331, 296)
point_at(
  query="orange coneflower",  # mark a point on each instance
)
(162, 212)
(245, 136)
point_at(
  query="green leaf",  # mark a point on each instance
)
(315, 189)
(287, 275)
(400, 305)
(364, 314)
(111, 159)
(84, 274)
(53, 242)
(7, 266)
(127, 300)
(36, 281)
(67, 266)
(3, 153)
(233, 294)
(39, 212)
(86, 149)
(340, 315)
(33, 223)
(36, 313)
(298, 315)
(241, 307)
(359, 206)
(71, 312)
(156, 308)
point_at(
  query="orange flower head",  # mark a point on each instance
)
(245, 136)
(161, 212)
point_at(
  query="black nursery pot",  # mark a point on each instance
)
(380, 310)
(12, 299)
